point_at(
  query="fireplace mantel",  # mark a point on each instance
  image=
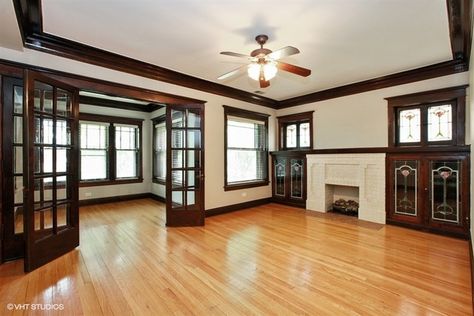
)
(365, 171)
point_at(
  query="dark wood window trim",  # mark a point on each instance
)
(456, 96)
(157, 120)
(111, 163)
(298, 118)
(232, 111)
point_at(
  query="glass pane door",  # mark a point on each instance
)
(185, 165)
(12, 150)
(51, 222)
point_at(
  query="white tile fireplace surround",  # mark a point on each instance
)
(365, 171)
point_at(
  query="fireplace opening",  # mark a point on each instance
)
(342, 199)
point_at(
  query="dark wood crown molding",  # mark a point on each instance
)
(428, 72)
(460, 15)
(150, 107)
(29, 16)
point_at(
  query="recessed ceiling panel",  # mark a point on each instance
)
(341, 41)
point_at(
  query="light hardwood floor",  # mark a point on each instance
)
(271, 259)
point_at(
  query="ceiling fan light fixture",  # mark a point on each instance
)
(269, 70)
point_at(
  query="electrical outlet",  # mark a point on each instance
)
(244, 194)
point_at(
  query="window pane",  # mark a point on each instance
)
(63, 133)
(291, 136)
(304, 135)
(94, 135)
(18, 99)
(63, 103)
(125, 137)
(93, 164)
(245, 165)
(245, 134)
(160, 151)
(440, 123)
(409, 128)
(126, 164)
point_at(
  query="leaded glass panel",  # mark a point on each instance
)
(445, 185)
(280, 171)
(296, 178)
(440, 123)
(406, 187)
(409, 126)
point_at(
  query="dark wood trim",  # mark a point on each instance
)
(246, 185)
(89, 84)
(109, 119)
(232, 111)
(158, 198)
(375, 150)
(460, 15)
(433, 230)
(418, 74)
(150, 107)
(237, 207)
(297, 118)
(456, 96)
(114, 199)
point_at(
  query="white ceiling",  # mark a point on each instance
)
(342, 41)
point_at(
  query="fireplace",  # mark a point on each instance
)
(342, 199)
(360, 177)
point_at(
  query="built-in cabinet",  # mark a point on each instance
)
(289, 177)
(429, 191)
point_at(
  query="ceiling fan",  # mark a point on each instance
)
(264, 63)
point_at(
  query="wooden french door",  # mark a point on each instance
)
(51, 223)
(185, 165)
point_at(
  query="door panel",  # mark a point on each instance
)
(185, 165)
(50, 163)
(12, 149)
(429, 191)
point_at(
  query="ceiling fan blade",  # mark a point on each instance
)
(231, 73)
(283, 52)
(236, 55)
(300, 71)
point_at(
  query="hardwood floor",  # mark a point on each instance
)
(271, 259)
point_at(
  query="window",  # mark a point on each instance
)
(159, 150)
(94, 150)
(246, 148)
(295, 131)
(426, 119)
(110, 150)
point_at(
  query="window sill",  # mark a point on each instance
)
(159, 181)
(245, 185)
(109, 182)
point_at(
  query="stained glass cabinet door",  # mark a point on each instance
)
(50, 169)
(429, 191)
(185, 165)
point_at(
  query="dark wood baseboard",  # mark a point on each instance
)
(429, 230)
(112, 199)
(237, 207)
(157, 198)
(289, 203)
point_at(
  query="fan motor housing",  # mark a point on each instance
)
(260, 52)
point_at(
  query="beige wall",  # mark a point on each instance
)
(214, 123)
(360, 120)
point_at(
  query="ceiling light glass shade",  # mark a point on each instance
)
(269, 70)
